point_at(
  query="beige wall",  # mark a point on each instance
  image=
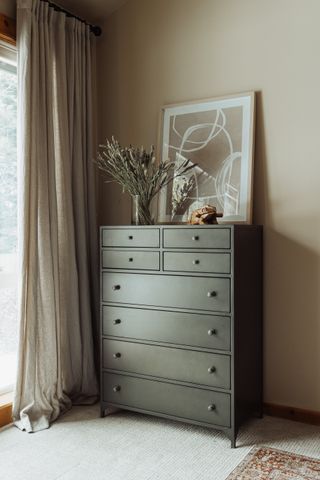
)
(155, 52)
(8, 7)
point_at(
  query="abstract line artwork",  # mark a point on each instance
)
(217, 136)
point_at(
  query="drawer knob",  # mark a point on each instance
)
(211, 369)
(212, 331)
(196, 262)
(211, 407)
(117, 355)
(116, 388)
(130, 259)
(196, 237)
(116, 321)
(130, 237)
(116, 287)
(210, 294)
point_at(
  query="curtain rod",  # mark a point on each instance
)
(95, 29)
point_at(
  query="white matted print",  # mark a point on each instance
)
(217, 135)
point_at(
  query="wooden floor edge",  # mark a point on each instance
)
(5, 415)
(292, 413)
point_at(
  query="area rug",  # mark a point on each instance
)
(271, 464)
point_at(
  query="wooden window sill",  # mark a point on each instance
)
(6, 409)
(6, 398)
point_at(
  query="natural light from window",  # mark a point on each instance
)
(8, 225)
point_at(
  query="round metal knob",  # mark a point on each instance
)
(196, 237)
(212, 331)
(130, 259)
(196, 262)
(212, 294)
(211, 407)
(116, 287)
(117, 355)
(211, 369)
(116, 321)
(116, 388)
(130, 237)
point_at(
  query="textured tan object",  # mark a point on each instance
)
(206, 215)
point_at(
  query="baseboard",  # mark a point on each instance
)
(281, 411)
(292, 413)
(5, 415)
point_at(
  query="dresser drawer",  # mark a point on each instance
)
(193, 329)
(197, 262)
(197, 237)
(173, 363)
(131, 259)
(131, 237)
(199, 293)
(158, 397)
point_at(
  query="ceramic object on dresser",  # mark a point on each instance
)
(181, 323)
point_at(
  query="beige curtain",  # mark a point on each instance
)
(57, 232)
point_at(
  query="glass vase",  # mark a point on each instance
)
(140, 211)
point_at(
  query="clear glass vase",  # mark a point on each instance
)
(140, 211)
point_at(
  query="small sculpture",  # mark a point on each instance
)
(206, 215)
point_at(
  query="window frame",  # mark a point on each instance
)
(8, 55)
(7, 29)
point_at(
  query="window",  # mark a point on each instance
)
(8, 217)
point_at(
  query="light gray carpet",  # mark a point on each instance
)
(127, 446)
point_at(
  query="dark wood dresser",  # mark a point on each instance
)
(181, 322)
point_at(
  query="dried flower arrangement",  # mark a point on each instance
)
(137, 171)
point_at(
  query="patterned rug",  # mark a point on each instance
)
(271, 464)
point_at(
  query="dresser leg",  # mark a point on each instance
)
(260, 413)
(107, 410)
(233, 438)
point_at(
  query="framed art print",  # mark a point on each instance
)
(217, 135)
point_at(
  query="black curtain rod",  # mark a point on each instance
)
(95, 29)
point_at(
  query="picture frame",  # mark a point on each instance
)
(216, 134)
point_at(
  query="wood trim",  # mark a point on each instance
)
(292, 413)
(6, 409)
(280, 411)
(7, 29)
(5, 415)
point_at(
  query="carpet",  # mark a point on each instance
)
(128, 446)
(269, 463)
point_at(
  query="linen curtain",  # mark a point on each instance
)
(57, 230)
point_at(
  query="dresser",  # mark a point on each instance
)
(181, 323)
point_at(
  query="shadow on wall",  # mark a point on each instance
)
(291, 293)
(292, 328)
(114, 205)
(261, 213)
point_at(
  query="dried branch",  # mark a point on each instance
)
(136, 170)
